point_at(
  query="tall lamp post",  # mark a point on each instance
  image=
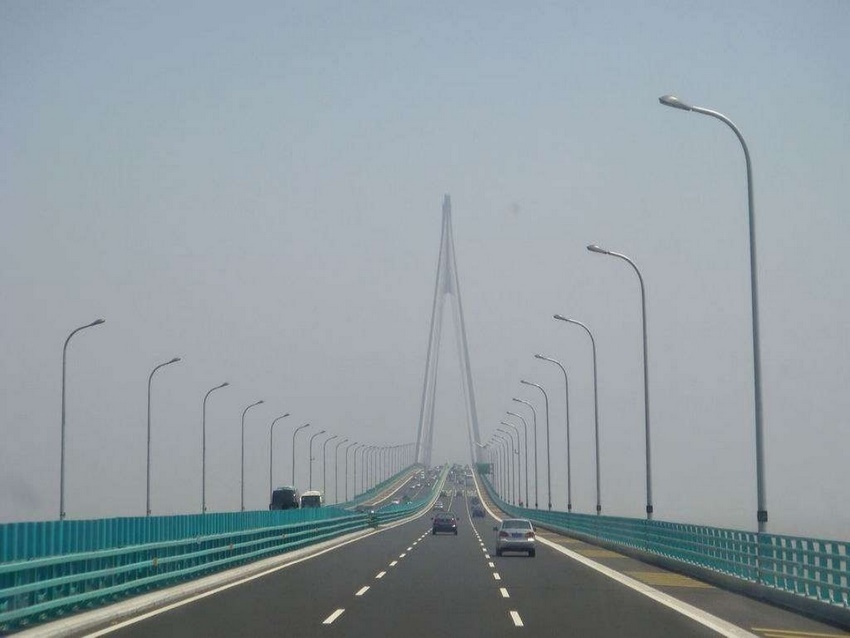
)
(525, 445)
(359, 448)
(601, 251)
(271, 450)
(297, 430)
(242, 479)
(97, 322)
(534, 428)
(519, 461)
(569, 463)
(148, 473)
(204, 448)
(507, 445)
(325, 465)
(761, 513)
(336, 469)
(548, 461)
(345, 451)
(310, 471)
(595, 406)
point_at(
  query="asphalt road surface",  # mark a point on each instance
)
(404, 581)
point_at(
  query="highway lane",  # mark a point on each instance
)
(406, 581)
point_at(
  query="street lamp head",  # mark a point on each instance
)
(596, 249)
(259, 402)
(175, 360)
(676, 103)
(562, 318)
(97, 322)
(224, 385)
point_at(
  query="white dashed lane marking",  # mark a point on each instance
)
(496, 576)
(333, 617)
(504, 592)
(394, 563)
(362, 590)
(380, 574)
(516, 618)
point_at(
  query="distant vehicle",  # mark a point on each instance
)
(311, 498)
(478, 511)
(459, 493)
(443, 493)
(285, 498)
(439, 505)
(515, 535)
(475, 500)
(445, 522)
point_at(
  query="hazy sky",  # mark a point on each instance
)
(256, 187)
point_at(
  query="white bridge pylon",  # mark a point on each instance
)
(447, 285)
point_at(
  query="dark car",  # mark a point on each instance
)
(285, 498)
(478, 511)
(446, 522)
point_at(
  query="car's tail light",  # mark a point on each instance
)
(503, 534)
(529, 535)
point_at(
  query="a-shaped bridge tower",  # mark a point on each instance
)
(447, 285)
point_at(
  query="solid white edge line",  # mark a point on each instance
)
(362, 590)
(333, 616)
(56, 630)
(723, 627)
(517, 619)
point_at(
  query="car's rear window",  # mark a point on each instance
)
(516, 525)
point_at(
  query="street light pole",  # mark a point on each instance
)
(97, 322)
(509, 464)
(204, 448)
(148, 473)
(548, 461)
(345, 451)
(569, 462)
(359, 447)
(525, 444)
(519, 460)
(516, 453)
(336, 469)
(242, 480)
(761, 513)
(298, 429)
(596, 249)
(310, 471)
(534, 428)
(271, 451)
(325, 465)
(595, 406)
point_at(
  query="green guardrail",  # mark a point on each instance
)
(816, 569)
(54, 568)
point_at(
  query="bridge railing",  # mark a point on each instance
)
(816, 569)
(52, 568)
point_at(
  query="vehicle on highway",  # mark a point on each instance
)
(515, 535)
(445, 522)
(285, 498)
(312, 498)
(478, 511)
(439, 505)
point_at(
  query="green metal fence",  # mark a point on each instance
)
(53, 568)
(814, 568)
